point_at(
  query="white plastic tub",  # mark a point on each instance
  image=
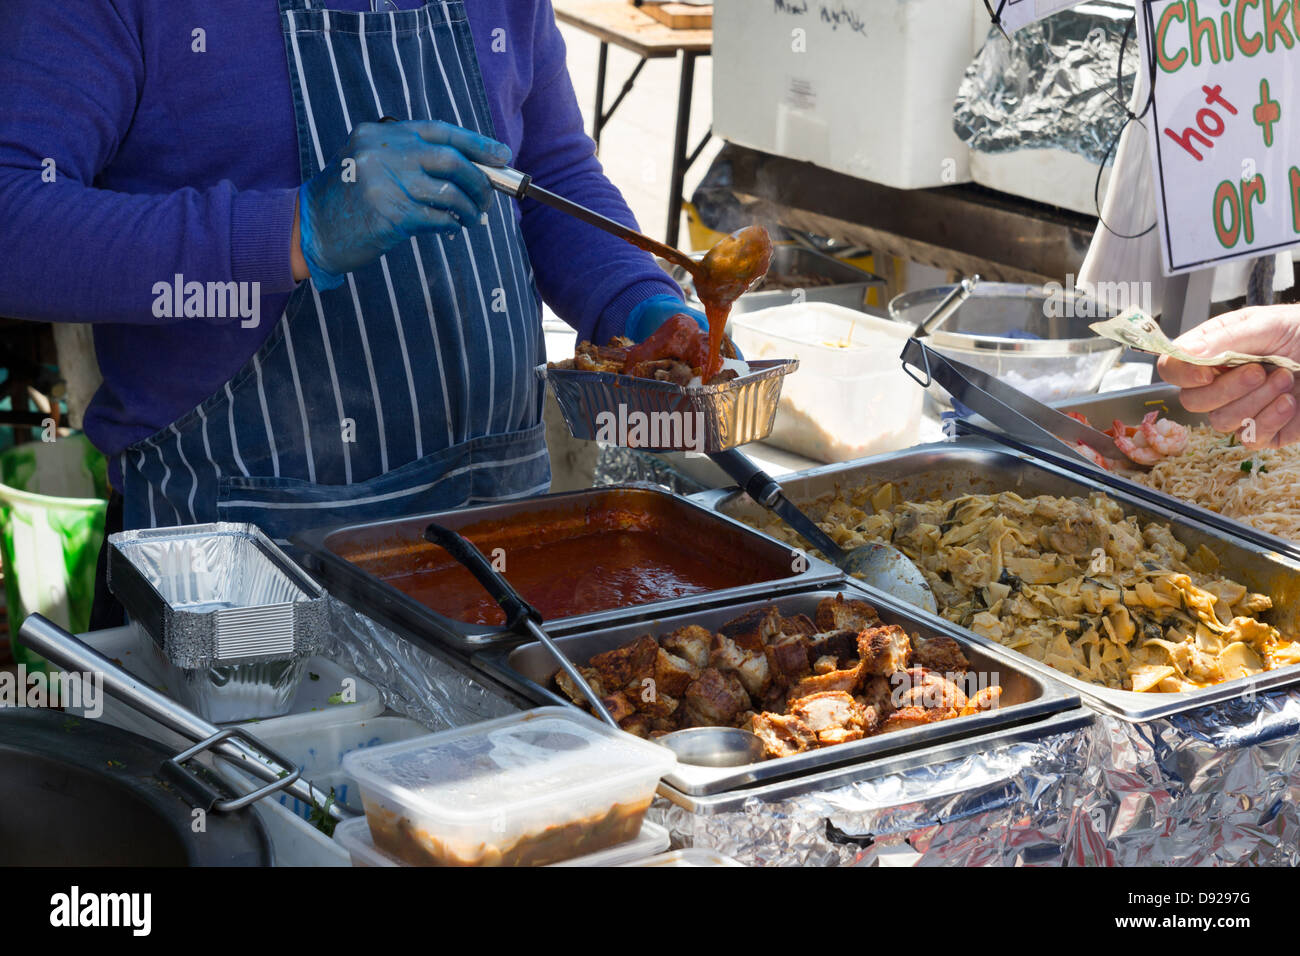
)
(850, 397)
(529, 789)
(354, 836)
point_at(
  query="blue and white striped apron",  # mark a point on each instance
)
(408, 388)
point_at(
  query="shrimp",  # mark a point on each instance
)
(1088, 452)
(1150, 442)
(1166, 437)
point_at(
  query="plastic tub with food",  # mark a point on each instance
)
(530, 789)
(354, 836)
(850, 397)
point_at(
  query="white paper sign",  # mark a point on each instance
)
(1224, 127)
(1021, 13)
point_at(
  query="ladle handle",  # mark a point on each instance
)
(512, 602)
(763, 488)
(521, 616)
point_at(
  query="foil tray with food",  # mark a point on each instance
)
(233, 619)
(665, 413)
(578, 557)
(684, 388)
(1140, 609)
(823, 677)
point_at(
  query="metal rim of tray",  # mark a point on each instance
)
(1129, 706)
(760, 371)
(730, 414)
(731, 801)
(704, 781)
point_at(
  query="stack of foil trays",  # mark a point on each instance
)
(233, 618)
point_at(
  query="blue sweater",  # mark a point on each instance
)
(165, 161)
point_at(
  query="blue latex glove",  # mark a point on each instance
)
(654, 312)
(409, 178)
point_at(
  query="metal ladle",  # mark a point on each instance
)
(881, 566)
(700, 746)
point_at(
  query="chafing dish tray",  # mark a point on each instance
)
(949, 469)
(927, 755)
(529, 669)
(573, 542)
(1129, 406)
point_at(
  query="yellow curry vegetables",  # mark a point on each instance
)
(1073, 582)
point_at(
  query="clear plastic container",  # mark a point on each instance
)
(525, 790)
(690, 856)
(319, 752)
(850, 397)
(354, 836)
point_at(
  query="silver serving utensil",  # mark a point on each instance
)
(714, 746)
(947, 308)
(881, 566)
(701, 746)
(1019, 415)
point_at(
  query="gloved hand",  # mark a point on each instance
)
(658, 309)
(409, 178)
(654, 312)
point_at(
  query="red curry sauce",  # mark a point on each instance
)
(580, 575)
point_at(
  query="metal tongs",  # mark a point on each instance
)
(1021, 417)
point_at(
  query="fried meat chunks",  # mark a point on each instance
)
(798, 682)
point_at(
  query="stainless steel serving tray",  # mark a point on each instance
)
(324, 553)
(529, 669)
(1129, 406)
(733, 801)
(950, 469)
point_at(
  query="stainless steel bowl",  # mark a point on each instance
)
(1029, 336)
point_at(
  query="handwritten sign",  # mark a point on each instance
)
(1223, 143)
(1020, 13)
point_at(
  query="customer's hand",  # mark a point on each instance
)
(392, 181)
(1258, 402)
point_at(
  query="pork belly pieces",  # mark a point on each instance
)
(799, 683)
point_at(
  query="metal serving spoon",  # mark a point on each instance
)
(700, 746)
(881, 566)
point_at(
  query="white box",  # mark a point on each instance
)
(1054, 176)
(865, 89)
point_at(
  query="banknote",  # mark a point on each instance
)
(1138, 330)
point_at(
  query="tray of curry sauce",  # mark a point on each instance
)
(579, 557)
(827, 676)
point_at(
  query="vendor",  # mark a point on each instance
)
(1247, 392)
(304, 316)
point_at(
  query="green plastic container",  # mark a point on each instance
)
(53, 496)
